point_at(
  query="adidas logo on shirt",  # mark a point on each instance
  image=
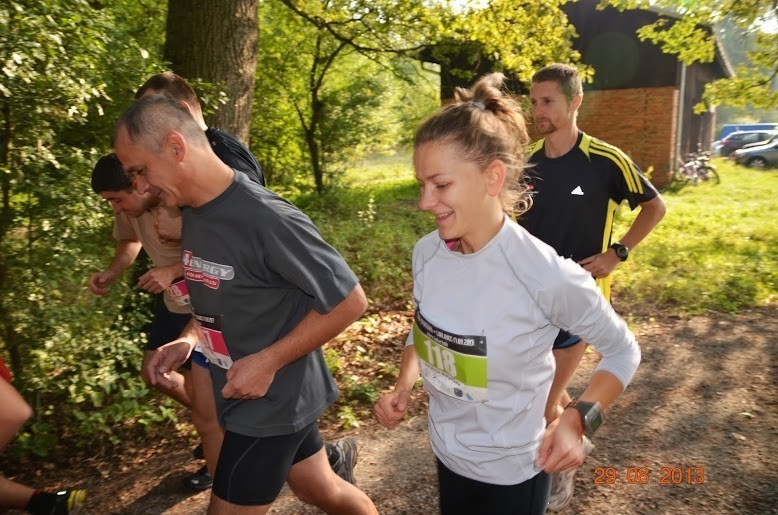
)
(577, 191)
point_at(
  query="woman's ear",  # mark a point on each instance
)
(495, 177)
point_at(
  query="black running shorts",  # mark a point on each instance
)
(166, 326)
(251, 471)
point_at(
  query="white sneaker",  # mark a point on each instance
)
(563, 483)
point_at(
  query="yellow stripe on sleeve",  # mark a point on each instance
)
(621, 160)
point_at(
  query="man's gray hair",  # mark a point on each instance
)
(150, 119)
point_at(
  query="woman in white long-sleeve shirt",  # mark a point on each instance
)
(490, 299)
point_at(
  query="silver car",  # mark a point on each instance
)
(759, 156)
(736, 140)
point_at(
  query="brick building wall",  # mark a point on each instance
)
(642, 122)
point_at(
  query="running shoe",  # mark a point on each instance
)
(563, 483)
(69, 502)
(199, 481)
(347, 459)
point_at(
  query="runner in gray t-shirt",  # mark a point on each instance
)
(268, 292)
(251, 284)
(342, 454)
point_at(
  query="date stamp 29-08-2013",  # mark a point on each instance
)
(667, 476)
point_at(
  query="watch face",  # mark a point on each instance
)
(593, 420)
(591, 415)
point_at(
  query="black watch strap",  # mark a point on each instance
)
(622, 251)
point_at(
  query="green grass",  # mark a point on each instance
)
(381, 168)
(716, 249)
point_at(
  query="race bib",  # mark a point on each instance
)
(179, 293)
(212, 340)
(453, 364)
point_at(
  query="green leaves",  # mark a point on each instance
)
(518, 37)
(62, 65)
(683, 37)
(339, 78)
(332, 84)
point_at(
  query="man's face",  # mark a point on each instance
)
(151, 174)
(550, 109)
(130, 202)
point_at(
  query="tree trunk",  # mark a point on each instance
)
(216, 41)
(313, 143)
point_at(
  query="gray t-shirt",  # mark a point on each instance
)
(255, 265)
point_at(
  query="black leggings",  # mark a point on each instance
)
(461, 495)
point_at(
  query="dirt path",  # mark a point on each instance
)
(699, 425)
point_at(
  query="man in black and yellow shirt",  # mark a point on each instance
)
(578, 182)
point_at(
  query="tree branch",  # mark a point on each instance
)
(329, 26)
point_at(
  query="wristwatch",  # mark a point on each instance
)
(622, 251)
(591, 415)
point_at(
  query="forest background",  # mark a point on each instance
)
(328, 94)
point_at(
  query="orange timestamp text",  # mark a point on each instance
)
(604, 476)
